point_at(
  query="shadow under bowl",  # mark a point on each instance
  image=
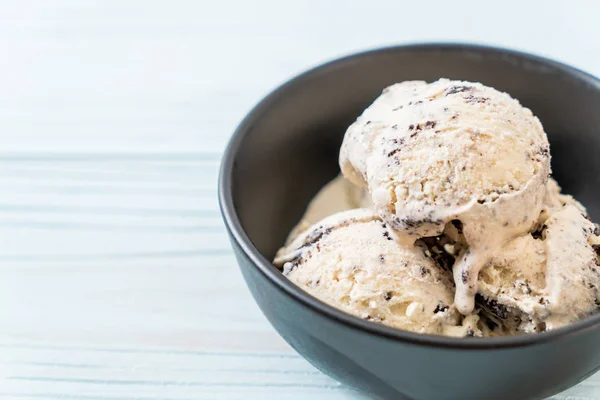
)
(287, 148)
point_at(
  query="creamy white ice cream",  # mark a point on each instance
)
(451, 150)
(545, 280)
(351, 261)
(447, 222)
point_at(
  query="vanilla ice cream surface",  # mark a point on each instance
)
(446, 221)
(351, 261)
(451, 150)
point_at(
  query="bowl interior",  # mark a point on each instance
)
(288, 147)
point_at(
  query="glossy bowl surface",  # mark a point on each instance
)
(286, 149)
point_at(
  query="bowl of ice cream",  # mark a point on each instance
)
(447, 264)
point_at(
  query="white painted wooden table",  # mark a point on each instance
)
(116, 279)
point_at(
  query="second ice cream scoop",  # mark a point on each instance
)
(545, 280)
(351, 261)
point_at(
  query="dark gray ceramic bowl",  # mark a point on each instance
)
(286, 149)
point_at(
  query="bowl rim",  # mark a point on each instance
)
(266, 268)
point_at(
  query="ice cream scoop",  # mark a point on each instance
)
(554, 200)
(451, 151)
(351, 261)
(547, 279)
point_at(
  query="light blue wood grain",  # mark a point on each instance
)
(117, 281)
